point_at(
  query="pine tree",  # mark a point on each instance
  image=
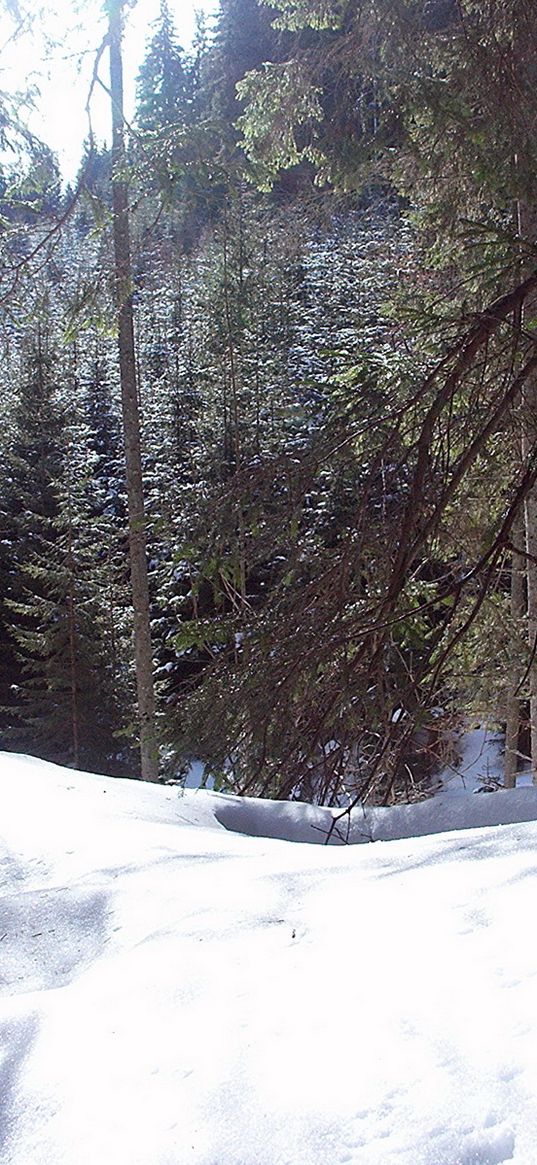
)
(106, 499)
(63, 703)
(164, 88)
(460, 149)
(93, 184)
(244, 40)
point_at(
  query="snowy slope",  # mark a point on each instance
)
(176, 993)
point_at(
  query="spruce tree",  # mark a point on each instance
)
(245, 39)
(164, 88)
(63, 704)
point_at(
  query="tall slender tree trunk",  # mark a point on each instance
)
(527, 218)
(234, 386)
(530, 512)
(524, 68)
(518, 570)
(131, 419)
(71, 618)
(518, 610)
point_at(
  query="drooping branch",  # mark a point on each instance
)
(462, 355)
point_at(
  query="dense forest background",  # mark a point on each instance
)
(332, 228)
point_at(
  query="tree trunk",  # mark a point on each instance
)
(518, 610)
(528, 443)
(131, 420)
(527, 219)
(71, 618)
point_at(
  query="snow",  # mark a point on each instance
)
(179, 988)
(459, 804)
(480, 763)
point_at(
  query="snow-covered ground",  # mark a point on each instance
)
(175, 992)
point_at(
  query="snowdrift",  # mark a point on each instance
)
(179, 989)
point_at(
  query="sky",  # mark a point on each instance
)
(53, 53)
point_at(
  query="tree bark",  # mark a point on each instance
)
(71, 621)
(527, 219)
(131, 418)
(528, 444)
(518, 610)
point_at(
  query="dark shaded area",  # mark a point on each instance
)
(47, 937)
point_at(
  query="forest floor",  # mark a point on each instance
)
(179, 988)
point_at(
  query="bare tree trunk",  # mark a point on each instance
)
(71, 618)
(518, 610)
(528, 443)
(528, 412)
(234, 386)
(131, 420)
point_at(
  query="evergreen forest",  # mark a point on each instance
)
(268, 434)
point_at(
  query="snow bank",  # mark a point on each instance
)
(459, 804)
(176, 993)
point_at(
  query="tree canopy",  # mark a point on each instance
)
(333, 287)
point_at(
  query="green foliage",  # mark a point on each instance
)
(65, 692)
(320, 14)
(282, 100)
(319, 459)
(163, 92)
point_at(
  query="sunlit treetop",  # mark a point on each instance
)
(320, 14)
